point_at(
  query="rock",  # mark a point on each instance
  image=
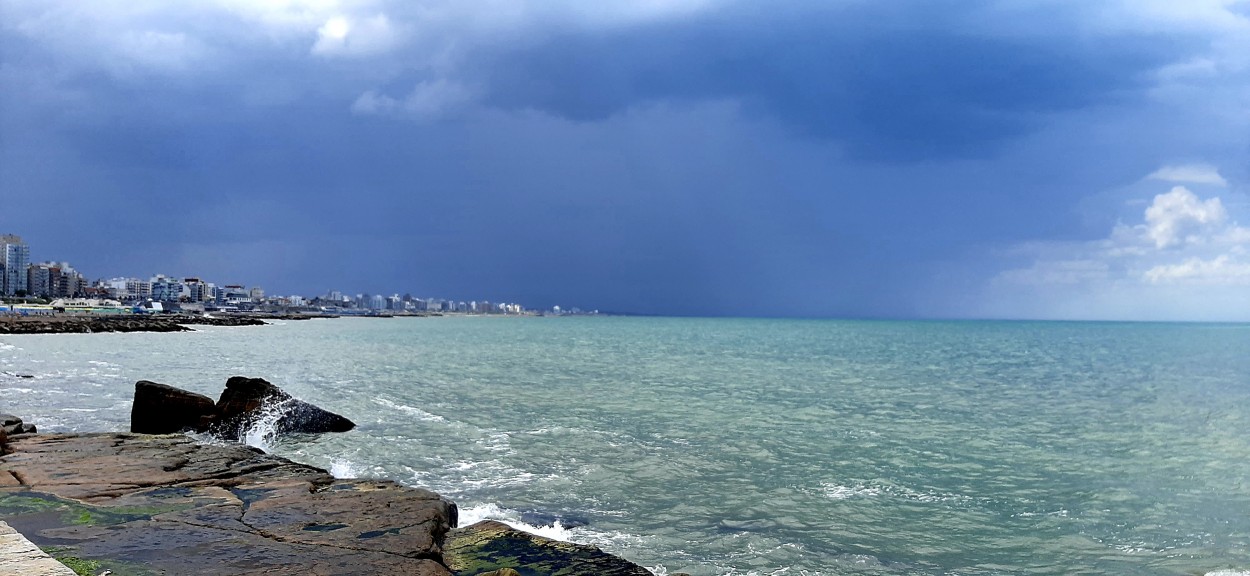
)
(488, 547)
(169, 505)
(163, 409)
(11, 425)
(244, 400)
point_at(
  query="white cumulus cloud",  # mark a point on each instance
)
(1179, 217)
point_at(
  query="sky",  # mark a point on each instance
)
(1051, 159)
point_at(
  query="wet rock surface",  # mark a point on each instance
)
(170, 505)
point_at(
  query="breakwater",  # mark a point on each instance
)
(65, 324)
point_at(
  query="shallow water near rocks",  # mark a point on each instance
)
(749, 446)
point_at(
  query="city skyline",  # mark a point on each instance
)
(19, 271)
(911, 159)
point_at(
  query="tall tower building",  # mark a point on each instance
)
(15, 257)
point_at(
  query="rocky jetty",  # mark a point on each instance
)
(162, 409)
(62, 324)
(165, 504)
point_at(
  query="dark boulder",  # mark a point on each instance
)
(163, 409)
(245, 400)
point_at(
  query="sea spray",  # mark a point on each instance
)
(260, 431)
(343, 469)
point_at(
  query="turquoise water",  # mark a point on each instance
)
(751, 446)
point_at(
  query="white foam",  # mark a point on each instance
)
(343, 469)
(475, 514)
(840, 492)
(419, 413)
(263, 430)
(616, 542)
(1228, 573)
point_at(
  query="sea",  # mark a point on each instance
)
(747, 446)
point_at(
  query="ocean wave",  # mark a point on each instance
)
(480, 512)
(419, 413)
(1228, 573)
(610, 540)
(841, 492)
(835, 491)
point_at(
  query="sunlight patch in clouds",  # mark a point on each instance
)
(341, 36)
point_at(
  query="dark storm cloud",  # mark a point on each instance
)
(929, 86)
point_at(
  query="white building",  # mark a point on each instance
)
(165, 289)
(128, 288)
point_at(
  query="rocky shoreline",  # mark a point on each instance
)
(149, 504)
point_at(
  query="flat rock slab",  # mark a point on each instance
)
(170, 505)
(19, 556)
(491, 547)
